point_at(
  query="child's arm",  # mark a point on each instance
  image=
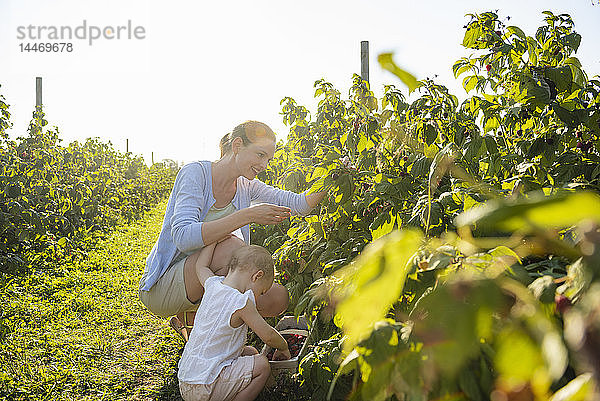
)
(204, 259)
(249, 314)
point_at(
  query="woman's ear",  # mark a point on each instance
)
(236, 145)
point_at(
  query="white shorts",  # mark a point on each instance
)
(232, 379)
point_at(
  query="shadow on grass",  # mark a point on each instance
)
(169, 391)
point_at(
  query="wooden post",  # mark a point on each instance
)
(38, 91)
(127, 145)
(364, 60)
(152, 158)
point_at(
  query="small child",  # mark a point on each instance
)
(216, 365)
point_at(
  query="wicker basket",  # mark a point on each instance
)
(288, 325)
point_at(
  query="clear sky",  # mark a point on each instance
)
(204, 67)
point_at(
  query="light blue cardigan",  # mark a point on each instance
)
(189, 202)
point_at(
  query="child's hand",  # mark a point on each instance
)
(282, 355)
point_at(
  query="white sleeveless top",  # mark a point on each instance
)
(213, 343)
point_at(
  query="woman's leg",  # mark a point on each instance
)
(220, 260)
(193, 288)
(273, 303)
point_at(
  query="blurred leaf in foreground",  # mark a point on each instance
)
(537, 210)
(373, 283)
(387, 63)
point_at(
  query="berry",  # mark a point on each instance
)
(445, 115)
(562, 303)
(578, 134)
(519, 132)
(488, 67)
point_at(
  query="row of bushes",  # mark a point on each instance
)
(55, 200)
(447, 261)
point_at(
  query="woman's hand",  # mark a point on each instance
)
(265, 213)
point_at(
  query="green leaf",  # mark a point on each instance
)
(459, 67)
(387, 63)
(573, 40)
(430, 133)
(468, 384)
(536, 148)
(516, 31)
(382, 225)
(532, 50)
(491, 123)
(373, 283)
(490, 144)
(470, 82)
(471, 37)
(498, 259)
(537, 210)
(514, 345)
(561, 76)
(569, 118)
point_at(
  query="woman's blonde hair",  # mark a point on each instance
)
(249, 131)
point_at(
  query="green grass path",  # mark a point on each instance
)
(84, 335)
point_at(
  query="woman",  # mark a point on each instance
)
(209, 201)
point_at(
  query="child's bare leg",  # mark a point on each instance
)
(249, 350)
(260, 374)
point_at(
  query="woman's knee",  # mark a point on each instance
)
(222, 253)
(274, 302)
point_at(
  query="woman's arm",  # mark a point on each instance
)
(299, 203)
(215, 230)
(314, 198)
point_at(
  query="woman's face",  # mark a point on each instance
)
(255, 157)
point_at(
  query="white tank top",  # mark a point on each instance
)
(213, 343)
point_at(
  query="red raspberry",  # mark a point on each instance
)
(488, 67)
(562, 303)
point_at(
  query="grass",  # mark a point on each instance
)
(84, 334)
(81, 333)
